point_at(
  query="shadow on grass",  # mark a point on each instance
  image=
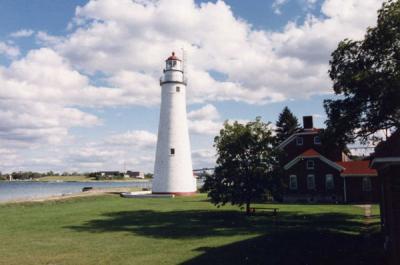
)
(293, 238)
(293, 247)
(193, 224)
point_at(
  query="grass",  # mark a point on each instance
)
(186, 230)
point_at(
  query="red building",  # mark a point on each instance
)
(387, 162)
(315, 175)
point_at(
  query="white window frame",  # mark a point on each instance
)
(327, 186)
(319, 139)
(293, 185)
(366, 184)
(299, 140)
(313, 164)
(311, 187)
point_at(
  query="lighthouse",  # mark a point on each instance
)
(173, 172)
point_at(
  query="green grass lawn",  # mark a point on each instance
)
(186, 230)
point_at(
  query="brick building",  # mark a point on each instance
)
(315, 175)
(387, 161)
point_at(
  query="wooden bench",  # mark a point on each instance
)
(272, 210)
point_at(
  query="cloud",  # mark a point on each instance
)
(203, 158)
(36, 99)
(139, 139)
(22, 33)
(9, 50)
(114, 53)
(128, 40)
(277, 4)
(204, 121)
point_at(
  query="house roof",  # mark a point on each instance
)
(356, 168)
(309, 153)
(293, 136)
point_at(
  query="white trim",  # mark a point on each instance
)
(321, 157)
(313, 164)
(326, 182)
(293, 136)
(394, 160)
(299, 143)
(366, 184)
(290, 182)
(344, 190)
(311, 176)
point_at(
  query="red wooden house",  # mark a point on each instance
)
(315, 175)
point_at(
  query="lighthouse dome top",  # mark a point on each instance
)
(173, 57)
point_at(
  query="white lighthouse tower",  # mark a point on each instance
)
(173, 172)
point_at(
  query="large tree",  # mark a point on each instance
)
(366, 76)
(286, 125)
(245, 163)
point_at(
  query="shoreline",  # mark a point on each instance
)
(90, 193)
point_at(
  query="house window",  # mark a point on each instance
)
(299, 140)
(311, 182)
(317, 140)
(172, 151)
(366, 184)
(329, 184)
(178, 89)
(310, 164)
(293, 182)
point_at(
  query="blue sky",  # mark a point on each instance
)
(79, 78)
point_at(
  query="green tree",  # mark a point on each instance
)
(245, 163)
(366, 76)
(286, 125)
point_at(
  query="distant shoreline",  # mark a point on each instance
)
(93, 192)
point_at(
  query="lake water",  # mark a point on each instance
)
(21, 190)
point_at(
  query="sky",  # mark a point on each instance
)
(79, 86)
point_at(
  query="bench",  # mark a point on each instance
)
(272, 210)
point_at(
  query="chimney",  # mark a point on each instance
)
(308, 122)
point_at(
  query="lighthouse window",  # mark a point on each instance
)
(173, 63)
(178, 89)
(172, 151)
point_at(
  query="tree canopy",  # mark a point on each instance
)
(287, 124)
(366, 76)
(245, 164)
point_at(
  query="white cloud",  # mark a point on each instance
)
(22, 33)
(124, 42)
(208, 111)
(128, 40)
(277, 4)
(35, 97)
(139, 139)
(9, 50)
(204, 121)
(203, 158)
